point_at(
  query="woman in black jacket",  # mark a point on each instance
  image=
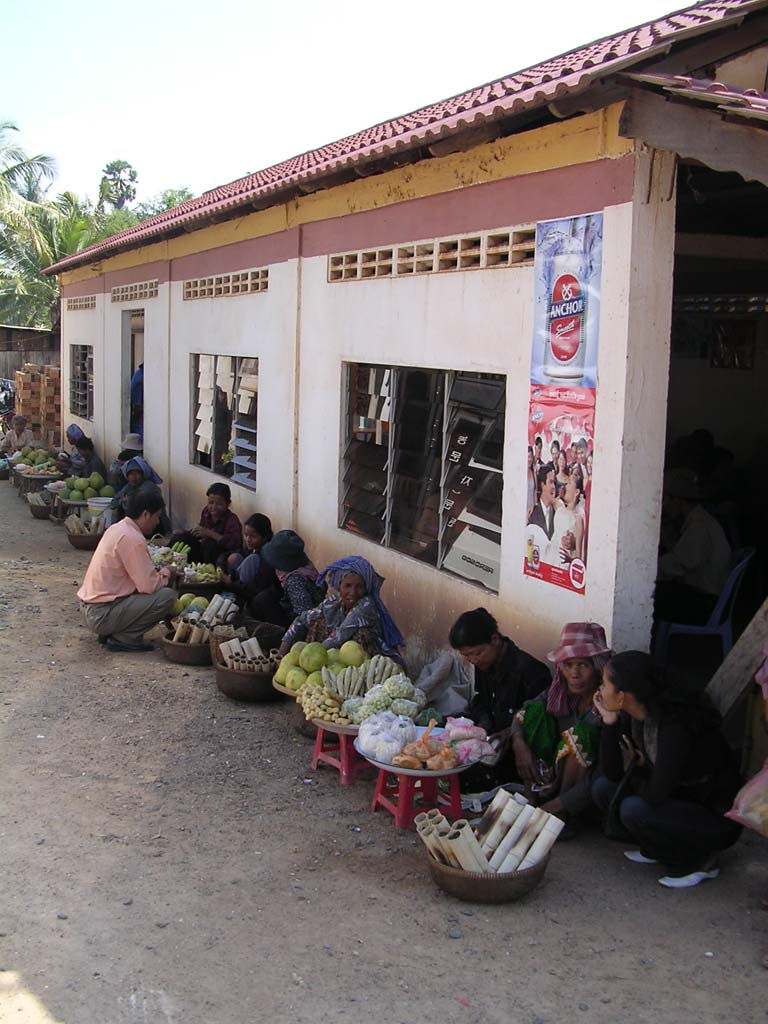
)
(682, 776)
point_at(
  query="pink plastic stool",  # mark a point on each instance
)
(399, 794)
(338, 751)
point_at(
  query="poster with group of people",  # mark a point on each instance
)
(563, 385)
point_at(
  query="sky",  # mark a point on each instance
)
(197, 94)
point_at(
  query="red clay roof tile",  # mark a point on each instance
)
(527, 89)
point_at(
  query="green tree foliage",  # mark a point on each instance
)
(167, 199)
(118, 184)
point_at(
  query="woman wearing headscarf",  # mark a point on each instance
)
(355, 611)
(131, 446)
(138, 476)
(556, 736)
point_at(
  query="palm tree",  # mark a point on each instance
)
(118, 184)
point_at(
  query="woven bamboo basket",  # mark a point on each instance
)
(40, 511)
(187, 654)
(84, 541)
(251, 687)
(477, 887)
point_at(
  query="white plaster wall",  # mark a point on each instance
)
(475, 320)
(84, 327)
(262, 325)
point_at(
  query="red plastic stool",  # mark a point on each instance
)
(338, 751)
(399, 794)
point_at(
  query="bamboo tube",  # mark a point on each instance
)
(428, 836)
(421, 820)
(436, 816)
(213, 606)
(460, 846)
(196, 636)
(236, 647)
(507, 817)
(492, 812)
(544, 842)
(442, 832)
(524, 842)
(481, 861)
(253, 647)
(519, 826)
(183, 629)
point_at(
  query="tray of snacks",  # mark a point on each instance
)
(394, 744)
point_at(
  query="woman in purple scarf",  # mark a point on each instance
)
(355, 611)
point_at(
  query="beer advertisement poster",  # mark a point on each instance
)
(567, 269)
(566, 300)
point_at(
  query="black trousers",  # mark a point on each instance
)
(677, 833)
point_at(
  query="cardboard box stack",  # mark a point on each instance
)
(28, 385)
(38, 397)
(50, 404)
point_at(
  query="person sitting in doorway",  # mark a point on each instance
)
(247, 572)
(138, 475)
(123, 594)
(676, 769)
(355, 611)
(505, 677)
(18, 437)
(694, 568)
(218, 534)
(131, 446)
(556, 736)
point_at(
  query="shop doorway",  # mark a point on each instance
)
(132, 372)
(718, 375)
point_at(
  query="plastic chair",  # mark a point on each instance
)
(720, 621)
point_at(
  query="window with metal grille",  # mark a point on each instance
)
(224, 429)
(78, 302)
(81, 381)
(422, 465)
(131, 292)
(503, 247)
(243, 282)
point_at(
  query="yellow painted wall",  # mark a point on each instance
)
(580, 140)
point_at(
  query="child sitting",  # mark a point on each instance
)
(219, 533)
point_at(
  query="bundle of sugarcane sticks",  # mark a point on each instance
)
(511, 836)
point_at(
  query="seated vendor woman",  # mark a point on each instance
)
(123, 594)
(355, 611)
(138, 475)
(20, 436)
(131, 446)
(219, 533)
(82, 460)
(247, 573)
(297, 588)
(676, 771)
(555, 737)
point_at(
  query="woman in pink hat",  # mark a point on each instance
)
(555, 737)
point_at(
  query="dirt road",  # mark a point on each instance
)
(169, 858)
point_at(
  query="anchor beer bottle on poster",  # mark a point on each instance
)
(566, 319)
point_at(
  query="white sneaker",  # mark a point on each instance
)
(688, 881)
(639, 858)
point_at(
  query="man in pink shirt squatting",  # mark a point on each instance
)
(123, 594)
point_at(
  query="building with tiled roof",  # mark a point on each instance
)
(366, 338)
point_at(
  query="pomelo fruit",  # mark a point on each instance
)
(351, 653)
(295, 651)
(312, 658)
(186, 599)
(314, 679)
(178, 607)
(107, 492)
(282, 671)
(90, 493)
(82, 483)
(96, 481)
(296, 678)
(75, 495)
(201, 603)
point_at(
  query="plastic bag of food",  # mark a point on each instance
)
(469, 751)
(427, 715)
(446, 682)
(750, 807)
(404, 728)
(464, 729)
(405, 707)
(351, 706)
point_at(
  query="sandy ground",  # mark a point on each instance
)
(168, 856)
